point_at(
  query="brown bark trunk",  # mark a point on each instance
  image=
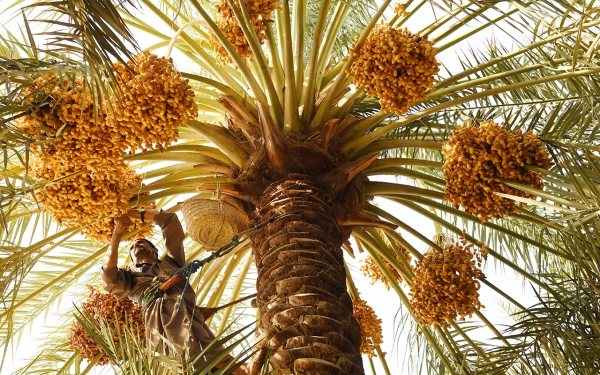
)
(305, 313)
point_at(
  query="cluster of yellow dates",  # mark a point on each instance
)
(370, 327)
(446, 284)
(109, 311)
(478, 159)
(370, 268)
(81, 143)
(396, 66)
(259, 12)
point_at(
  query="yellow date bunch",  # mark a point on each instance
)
(154, 102)
(43, 93)
(478, 158)
(107, 310)
(79, 196)
(101, 230)
(85, 139)
(259, 12)
(400, 9)
(87, 181)
(370, 327)
(370, 268)
(446, 284)
(396, 66)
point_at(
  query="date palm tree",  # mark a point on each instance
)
(286, 134)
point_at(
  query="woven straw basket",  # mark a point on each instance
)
(213, 223)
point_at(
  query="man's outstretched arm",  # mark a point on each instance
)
(112, 254)
(116, 281)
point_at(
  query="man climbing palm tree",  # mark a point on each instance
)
(184, 327)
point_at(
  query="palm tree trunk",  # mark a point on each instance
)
(305, 313)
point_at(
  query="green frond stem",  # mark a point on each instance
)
(204, 156)
(390, 144)
(232, 262)
(329, 75)
(215, 134)
(298, 26)
(23, 214)
(178, 32)
(70, 272)
(291, 122)
(402, 225)
(187, 173)
(399, 171)
(54, 239)
(359, 128)
(280, 34)
(277, 76)
(384, 364)
(235, 293)
(342, 80)
(354, 146)
(209, 63)
(395, 162)
(530, 47)
(230, 81)
(326, 47)
(169, 193)
(545, 195)
(375, 242)
(450, 345)
(389, 189)
(397, 21)
(491, 327)
(421, 181)
(92, 364)
(373, 372)
(308, 95)
(394, 238)
(239, 62)
(505, 295)
(67, 365)
(437, 24)
(472, 83)
(496, 227)
(259, 58)
(527, 216)
(472, 239)
(208, 278)
(470, 341)
(350, 102)
(404, 298)
(188, 182)
(573, 145)
(171, 169)
(472, 32)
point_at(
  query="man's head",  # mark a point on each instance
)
(143, 251)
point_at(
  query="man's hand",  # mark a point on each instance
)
(122, 224)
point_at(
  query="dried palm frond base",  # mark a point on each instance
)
(446, 284)
(109, 311)
(370, 327)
